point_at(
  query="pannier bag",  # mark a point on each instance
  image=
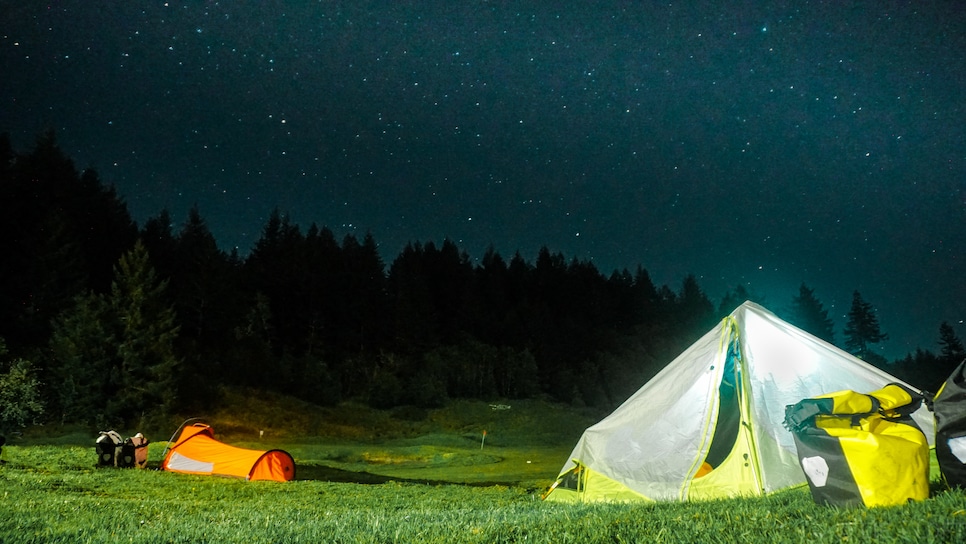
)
(108, 448)
(861, 449)
(134, 452)
(949, 407)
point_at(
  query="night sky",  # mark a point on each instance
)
(756, 143)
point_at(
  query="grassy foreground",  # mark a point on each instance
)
(426, 480)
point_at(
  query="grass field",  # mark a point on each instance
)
(405, 476)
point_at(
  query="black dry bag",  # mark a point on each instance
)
(949, 407)
(108, 448)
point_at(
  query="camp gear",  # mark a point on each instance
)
(195, 451)
(134, 452)
(862, 449)
(108, 447)
(709, 425)
(949, 407)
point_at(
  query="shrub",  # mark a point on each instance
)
(19, 392)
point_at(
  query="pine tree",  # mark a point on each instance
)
(862, 330)
(148, 372)
(951, 347)
(694, 310)
(201, 283)
(809, 315)
(82, 356)
(277, 269)
(645, 295)
(160, 241)
(363, 279)
(112, 356)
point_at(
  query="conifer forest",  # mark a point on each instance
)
(106, 322)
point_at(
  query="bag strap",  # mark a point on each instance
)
(888, 403)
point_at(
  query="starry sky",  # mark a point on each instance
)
(764, 144)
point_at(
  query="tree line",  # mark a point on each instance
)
(109, 323)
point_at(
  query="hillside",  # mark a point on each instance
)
(526, 442)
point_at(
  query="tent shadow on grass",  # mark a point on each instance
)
(325, 473)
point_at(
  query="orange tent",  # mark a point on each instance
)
(196, 451)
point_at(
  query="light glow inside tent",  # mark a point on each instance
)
(710, 424)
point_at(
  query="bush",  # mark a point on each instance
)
(385, 391)
(19, 392)
(427, 390)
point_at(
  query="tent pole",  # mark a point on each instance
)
(744, 403)
(175, 435)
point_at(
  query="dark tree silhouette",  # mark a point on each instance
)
(63, 232)
(363, 280)
(146, 327)
(157, 237)
(808, 314)
(322, 319)
(82, 358)
(113, 358)
(203, 281)
(415, 321)
(950, 346)
(928, 370)
(276, 268)
(862, 331)
(323, 295)
(693, 308)
(492, 287)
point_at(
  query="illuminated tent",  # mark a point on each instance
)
(196, 451)
(709, 425)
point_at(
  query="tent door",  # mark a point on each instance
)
(728, 423)
(730, 466)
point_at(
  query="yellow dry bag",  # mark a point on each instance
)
(862, 449)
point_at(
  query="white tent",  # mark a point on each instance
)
(709, 424)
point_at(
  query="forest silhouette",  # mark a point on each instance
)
(121, 322)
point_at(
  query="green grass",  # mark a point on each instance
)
(53, 493)
(418, 478)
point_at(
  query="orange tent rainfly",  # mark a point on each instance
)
(196, 451)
